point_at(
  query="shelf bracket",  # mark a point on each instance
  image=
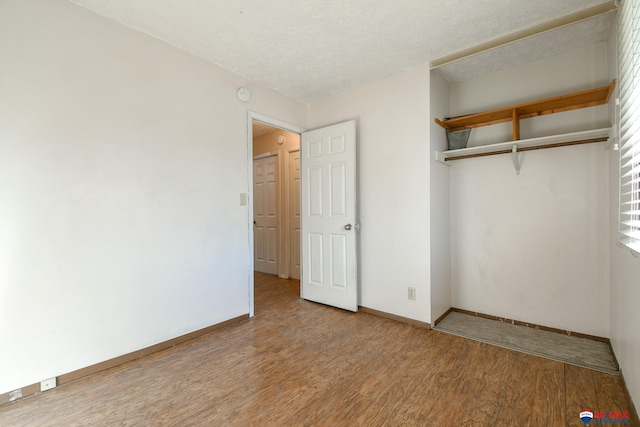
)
(441, 159)
(516, 158)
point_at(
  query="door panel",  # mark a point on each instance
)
(338, 258)
(314, 191)
(316, 267)
(338, 191)
(265, 215)
(328, 171)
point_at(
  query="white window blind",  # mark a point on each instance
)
(629, 123)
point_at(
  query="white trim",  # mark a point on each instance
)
(274, 123)
(251, 116)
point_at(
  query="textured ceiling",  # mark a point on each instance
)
(541, 46)
(311, 49)
(260, 128)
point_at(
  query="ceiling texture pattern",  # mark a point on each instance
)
(260, 128)
(312, 49)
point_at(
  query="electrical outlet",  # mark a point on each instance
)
(48, 384)
(15, 395)
(412, 293)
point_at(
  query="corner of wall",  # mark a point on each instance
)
(440, 238)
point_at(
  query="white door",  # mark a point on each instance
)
(294, 197)
(328, 171)
(265, 215)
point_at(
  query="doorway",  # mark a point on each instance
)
(276, 200)
(326, 238)
(258, 124)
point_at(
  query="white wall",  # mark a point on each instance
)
(624, 297)
(534, 246)
(393, 176)
(440, 202)
(121, 163)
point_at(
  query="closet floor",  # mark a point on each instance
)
(569, 349)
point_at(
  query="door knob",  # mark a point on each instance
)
(347, 227)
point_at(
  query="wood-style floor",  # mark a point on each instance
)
(301, 364)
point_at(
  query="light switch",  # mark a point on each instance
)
(243, 199)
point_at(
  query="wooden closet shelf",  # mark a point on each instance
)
(572, 101)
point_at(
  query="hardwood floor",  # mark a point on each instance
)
(300, 364)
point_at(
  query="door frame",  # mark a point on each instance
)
(289, 213)
(251, 116)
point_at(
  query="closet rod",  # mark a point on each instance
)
(521, 149)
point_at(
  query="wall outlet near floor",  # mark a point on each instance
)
(412, 293)
(48, 384)
(15, 395)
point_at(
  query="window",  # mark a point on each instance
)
(629, 123)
